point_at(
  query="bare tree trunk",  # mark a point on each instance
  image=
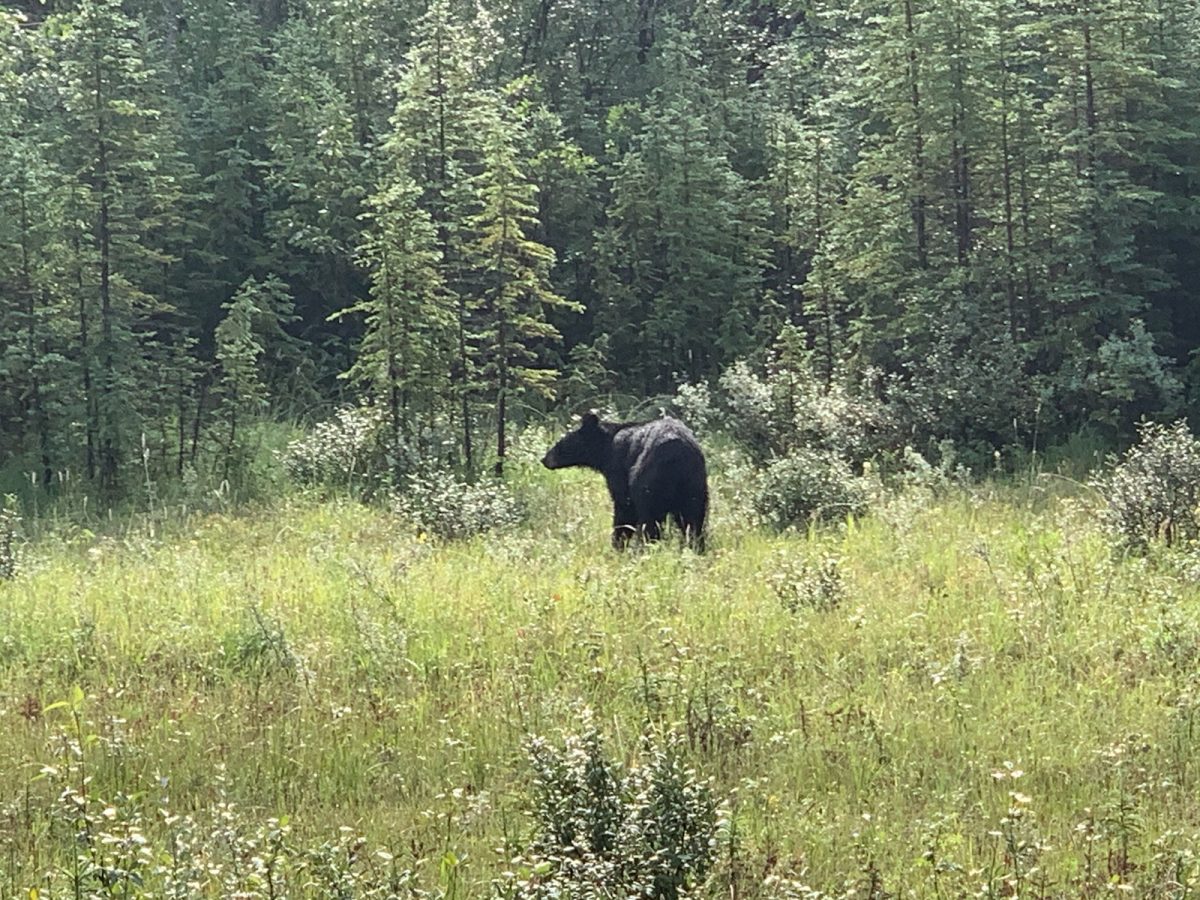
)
(918, 139)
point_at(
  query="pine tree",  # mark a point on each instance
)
(683, 251)
(407, 348)
(109, 97)
(318, 173)
(512, 268)
(34, 372)
(252, 319)
(223, 85)
(434, 142)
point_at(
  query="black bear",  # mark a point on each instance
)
(653, 469)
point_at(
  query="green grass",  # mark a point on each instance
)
(992, 704)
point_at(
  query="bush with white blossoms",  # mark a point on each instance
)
(352, 448)
(438, 502)
(1153, 490)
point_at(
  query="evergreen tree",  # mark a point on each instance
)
(109, 97)
(252, 320)
(683, 252)
(512, 268)
(407, 348)
(318, 174)
(434, 142)
(223, 83)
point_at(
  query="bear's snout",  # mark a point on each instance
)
(548, 460)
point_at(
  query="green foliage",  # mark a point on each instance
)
(1153, 491)
(973, 220)
(10, 522)
(354, 449)
(783, 406)
(309, 699)
(1130, 380)
(807, 486)
(259, 647)
(681, 258)
(439, 503)
(649, 831)
(251, 325)
(122, 849)
(512, 267)
(801, 584)
(409, 324)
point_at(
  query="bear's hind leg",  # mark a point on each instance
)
(691, 522)
(624, 527)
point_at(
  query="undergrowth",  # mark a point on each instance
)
(964, 692)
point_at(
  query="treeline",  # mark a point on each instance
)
(213, 210)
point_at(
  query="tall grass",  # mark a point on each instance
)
(317, 700)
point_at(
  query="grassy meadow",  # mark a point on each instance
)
(964, 693)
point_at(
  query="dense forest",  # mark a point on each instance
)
(983, 214)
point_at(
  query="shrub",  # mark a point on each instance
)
(1126, 379)
(259, 647)
(803, 585)
(785, 407)
(439, 503)
(1153, 491)
(913, 471)
(807, 486)
(967, 383)
(697, 406)
(604, 831)
(10, 521)
(352, 446)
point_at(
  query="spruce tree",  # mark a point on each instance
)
(117, 149)
(434, 142)
(682, 254)
(407, 348)
(512, 268)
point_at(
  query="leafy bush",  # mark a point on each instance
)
(1153, 491)
(800, 584)
(965, 383)
(785, 407)
(9, 522)
(604, 831)
(436, 501)
(1126, 380)
(807, 486)
(913, 471)
(352, 446)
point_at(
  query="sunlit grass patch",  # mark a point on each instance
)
(961, 694)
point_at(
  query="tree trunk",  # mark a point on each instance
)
(918, 140)
(109, 438)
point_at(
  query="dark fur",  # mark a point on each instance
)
(653, 470)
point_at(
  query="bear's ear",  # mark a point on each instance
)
(590, 419)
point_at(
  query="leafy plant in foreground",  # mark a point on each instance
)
(649, 831)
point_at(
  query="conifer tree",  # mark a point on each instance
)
(252, 319)
(109, 97)
(683, 252)
(407, 348)
(512, 268)
(223, 85)
(318, 174)
(434, 142)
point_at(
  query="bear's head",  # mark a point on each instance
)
(587, 445)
